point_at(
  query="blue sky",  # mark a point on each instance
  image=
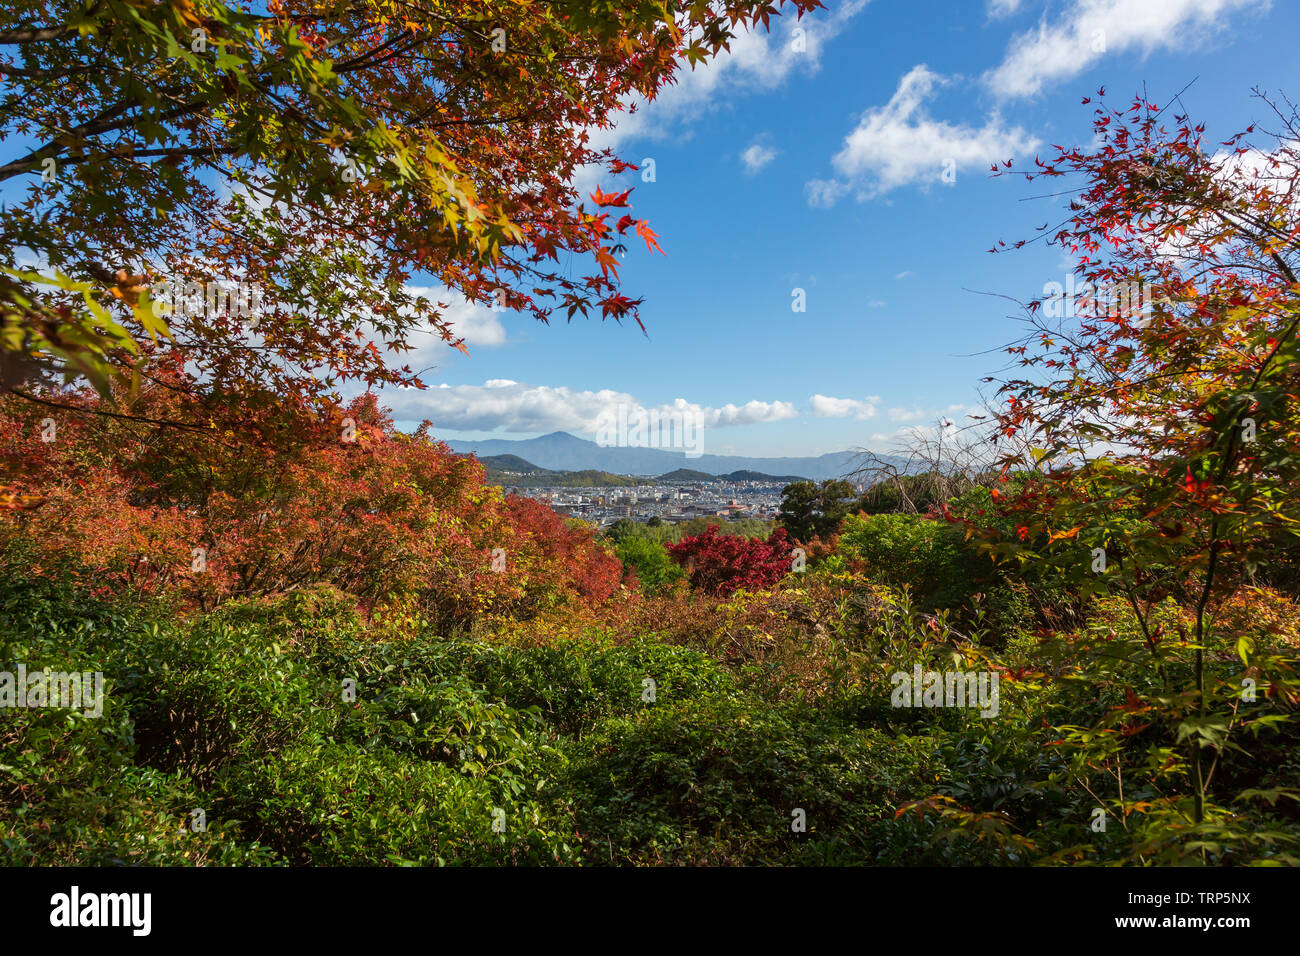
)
(822, 169)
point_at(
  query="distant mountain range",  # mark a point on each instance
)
(689, 475)
(513, 470)
(560, 451)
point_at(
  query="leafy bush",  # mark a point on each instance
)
(927, 555)
(720, 564)
(655, 570)
(384, 516)
(720, 779)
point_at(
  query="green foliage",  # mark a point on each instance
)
(625, 528)
(588, 478)
(654, 569)
(914, 494)
(811, 510)
(670, 533)
(585, 750)
(928, 555)
(719, 779)
(71, 790)
(745, 527)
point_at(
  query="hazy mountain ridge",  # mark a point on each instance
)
(513, 470)
(560, 451)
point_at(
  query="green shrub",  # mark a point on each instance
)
(929, 555)
(655, 570)
(340, 804)
(73, 788)
(718, 779)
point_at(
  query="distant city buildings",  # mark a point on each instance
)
(667, 502)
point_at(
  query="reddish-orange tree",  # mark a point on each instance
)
(204, 516)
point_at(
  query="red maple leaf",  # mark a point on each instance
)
(610, 199)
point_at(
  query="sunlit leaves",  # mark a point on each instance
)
(310, 145)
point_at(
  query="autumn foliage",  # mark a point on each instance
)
(273, 149)
(204, 516)
(723, 563)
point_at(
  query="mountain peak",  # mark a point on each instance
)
(566, 437)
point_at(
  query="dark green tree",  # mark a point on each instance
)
(811, 510)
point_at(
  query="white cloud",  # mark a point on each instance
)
(1249, 173)
(899, 144)
(1003, 8)
(926, 424)
(473, 321)
(756, 157)
(757, 59)
(426, 349)
(1091, 29)
(503, 404)
(907, 414)
(824, 192)
(751, 413)
(823, 406)
(906, 273)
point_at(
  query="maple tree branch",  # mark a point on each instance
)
(46, 74)
(106, 414)
(41, 34)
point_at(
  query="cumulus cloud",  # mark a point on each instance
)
(473, 321)
(926, 424)
(900, 144)
(478, 324)
(824, 406)
(824, 192)
(751, 413)
(1067, 45)
(1248, 173)
(907, 414)
(756, 157)
(510, 406)
(757, 59)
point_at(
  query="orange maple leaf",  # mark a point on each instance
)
(645, 232)
(610, 199)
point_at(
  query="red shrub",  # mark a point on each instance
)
(722, 563)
